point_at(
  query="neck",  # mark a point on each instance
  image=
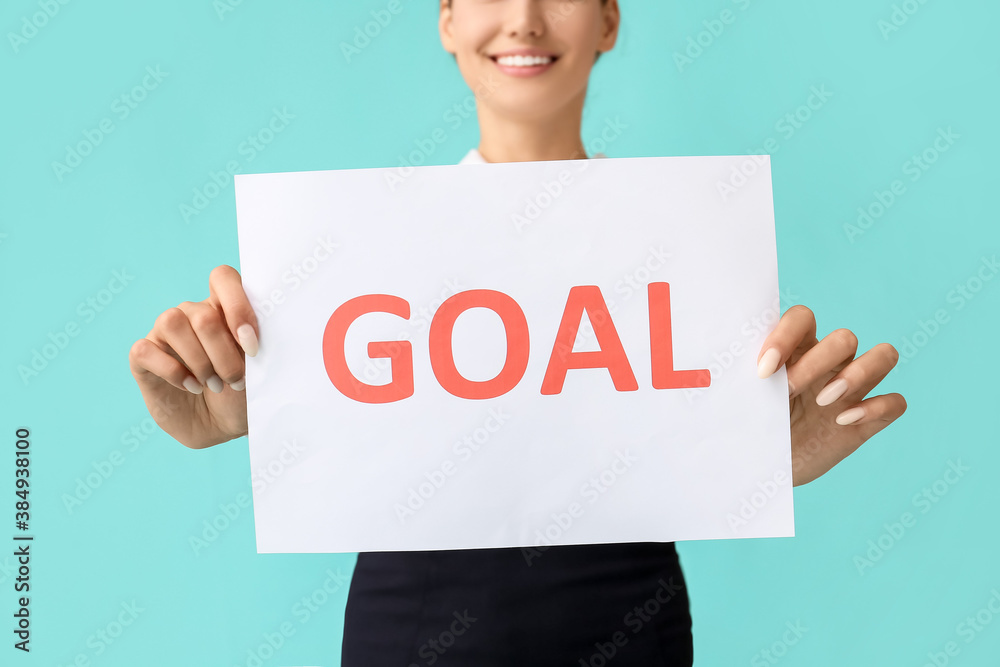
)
(528, 139)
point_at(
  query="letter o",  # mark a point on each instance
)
(442, 354)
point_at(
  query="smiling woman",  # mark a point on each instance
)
(542, 53)
(621, 604)
(528, 63)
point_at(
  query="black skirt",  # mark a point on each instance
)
(572, 606)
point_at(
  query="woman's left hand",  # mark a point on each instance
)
(830, 416)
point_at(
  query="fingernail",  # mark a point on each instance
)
(850, 416)
(247, 338)
(193, 385)
(768, 363)
(831, 392)
(791, 388)
(215, 384)
(240, 384)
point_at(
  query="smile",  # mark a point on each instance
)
(523, 65)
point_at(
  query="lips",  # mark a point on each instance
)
(524, 62)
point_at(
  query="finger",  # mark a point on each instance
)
(225, 360)
(174, 332)
(795, 329)
(873, 414)
(150, 363)
(853, 382)
(833, 353)
(225, 287)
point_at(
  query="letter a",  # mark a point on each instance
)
(611, 355)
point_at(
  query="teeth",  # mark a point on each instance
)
(523, 61)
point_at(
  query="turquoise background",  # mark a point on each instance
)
(60, 241)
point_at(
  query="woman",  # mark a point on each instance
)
(622, 604)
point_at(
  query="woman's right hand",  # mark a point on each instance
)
(190, 367)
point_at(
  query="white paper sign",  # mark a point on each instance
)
(482, 446)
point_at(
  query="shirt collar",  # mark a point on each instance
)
(474, 157)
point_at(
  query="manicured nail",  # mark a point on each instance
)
(831, 392)
(193, 385)
(215, 384)
(240, 384)
(768, 363)
(247, 338)
(850, 416)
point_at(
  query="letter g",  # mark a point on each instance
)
(400, 353)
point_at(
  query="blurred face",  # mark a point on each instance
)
(527, 59)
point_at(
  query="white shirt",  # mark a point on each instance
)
(474, 157)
